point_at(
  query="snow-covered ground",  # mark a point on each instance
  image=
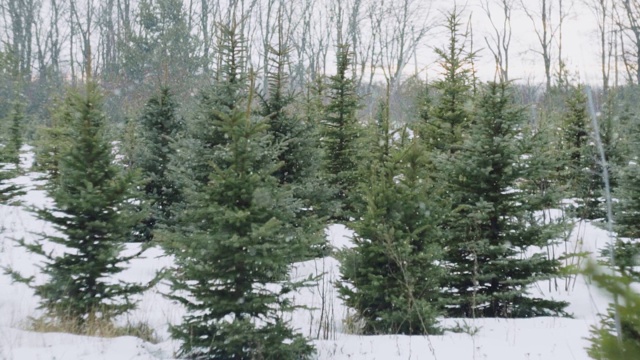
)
(495, 339)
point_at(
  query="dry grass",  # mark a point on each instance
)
(96, 327)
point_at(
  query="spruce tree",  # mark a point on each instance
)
(298, 142)
(8, 191)
(340, 133)
(228, 91)
(88, 212)
(54, 139)
(391, 278)
(444, 120)
(606, 343)
(495, 240)
(14, 142)
(626, 211)
(158, 130)
(236, 240)
(583, 173)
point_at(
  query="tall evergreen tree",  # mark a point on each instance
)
(159, 128)
(340, 133)
(228, 92)
(54, 139)
(14, 142)
(391, 277)
(583, 173)
(493, 228)
(626, 211)
(89, 213)
(236, 239)
(444, 120)
(298, 142)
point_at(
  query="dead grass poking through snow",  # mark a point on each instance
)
(96, 327)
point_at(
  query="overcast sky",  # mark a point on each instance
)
(580, 44)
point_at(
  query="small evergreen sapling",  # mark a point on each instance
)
(8, 191)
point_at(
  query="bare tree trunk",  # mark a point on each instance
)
(600, 10)
(499, 42)
(21, 15)
(632, 31)
(545, 32)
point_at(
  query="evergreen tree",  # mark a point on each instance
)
(627, 210)
(89, 213)
(340, 132)
(228, 91)
(159, 128)
(15, 140)
(8, 191)
(236, 239)
(494, 226)
(55, 139)
(444, 120)
(583, 172)
(606, 343)
(391, 277)
(299, 156)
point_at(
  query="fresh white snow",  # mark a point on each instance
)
(495, 339)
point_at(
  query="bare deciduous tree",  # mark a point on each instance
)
(541, 16)
(602, 11)
(499, 41)
(629, 26)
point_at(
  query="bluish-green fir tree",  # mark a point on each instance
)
(606, 342)
(391, 277)
(14, 140)
(626, 212)
(584, 172)
(236, 236)
(159, 129)
(494, 246)
(89, 213)
(340, 133)
(299, 153)
(445, 112)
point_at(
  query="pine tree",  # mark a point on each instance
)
(390, 277)
(494, 227)
(340, 132)
(159, 129)
(236, 239)
(89, 213)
